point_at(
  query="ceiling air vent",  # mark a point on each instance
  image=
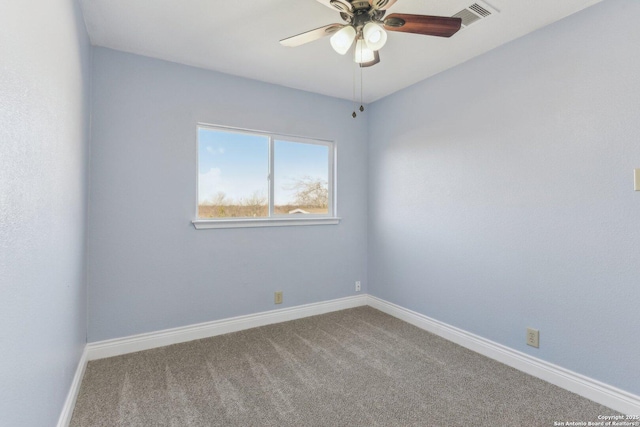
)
(475, 12)
(479, 10)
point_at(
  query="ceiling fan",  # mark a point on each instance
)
(365, 23)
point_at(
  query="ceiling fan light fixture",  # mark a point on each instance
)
(374, 35)
(363, 53)
(343, 39)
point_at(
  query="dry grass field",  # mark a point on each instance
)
(251, 211)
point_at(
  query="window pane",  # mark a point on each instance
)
(233, 174)
(301, 178)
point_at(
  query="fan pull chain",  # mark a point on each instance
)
(361, 84)
(354, 115)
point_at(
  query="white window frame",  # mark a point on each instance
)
(272, 220)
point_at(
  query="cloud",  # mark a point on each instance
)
(215, 151)
(210, 183)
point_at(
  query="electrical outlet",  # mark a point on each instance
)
(278, 297)
(533, 337)
(358, 286)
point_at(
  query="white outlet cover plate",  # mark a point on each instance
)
(636, 176)
(533, 337)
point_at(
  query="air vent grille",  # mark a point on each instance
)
(473, 13)
(480, 10)
(467, 17)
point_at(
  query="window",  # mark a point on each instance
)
(255, 179)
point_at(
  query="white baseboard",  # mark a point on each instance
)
(589, 388)
(119, 346)
(70, 402)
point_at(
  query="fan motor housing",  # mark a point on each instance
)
(361, 18)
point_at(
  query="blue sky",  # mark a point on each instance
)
(238, 165)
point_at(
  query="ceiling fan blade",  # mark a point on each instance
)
(339, 5)
(440, 26)
(376, 59)
(381, 4)
(310, 36)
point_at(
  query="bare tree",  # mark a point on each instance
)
(255, 204)
(220, 199)
(311, 192)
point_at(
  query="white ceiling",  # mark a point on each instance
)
(240, 37)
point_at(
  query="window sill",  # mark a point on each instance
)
(202, 224)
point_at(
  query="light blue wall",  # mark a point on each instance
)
(501, 194)
(148, 268)
(44, 129)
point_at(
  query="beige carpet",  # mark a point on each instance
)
(356, 367)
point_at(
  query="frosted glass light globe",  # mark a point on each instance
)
(363, 53)
(374, 35)
(343, 39)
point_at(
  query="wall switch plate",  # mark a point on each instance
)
(358, 286)
(636, 178)
(278, 297)
(533, 337)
